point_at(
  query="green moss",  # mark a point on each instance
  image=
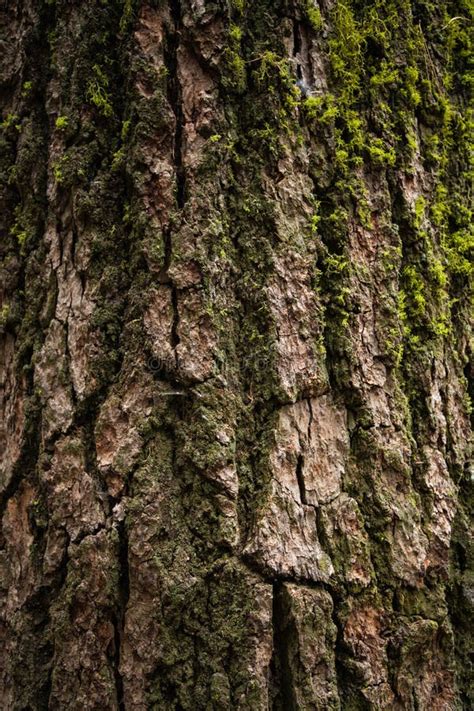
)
(345, 51)
(61, 122)
(235, 35)
(322, 109)
(335, 272)
(98, 93)
(59, 169)
(235, 78)
(419, 211)
(21, 236)
(439, 208)
(415, 305)
(381, 154)
(313, 14)
(437, 273)
(27, 88)
(409, 87)
(23, 228)
(9, 121)
(125, 130)
(127, 15)
(237, 71)
(238, 5)
(459, 250)
(273, 67)
(387, 76)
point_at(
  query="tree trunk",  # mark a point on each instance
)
(235, 347)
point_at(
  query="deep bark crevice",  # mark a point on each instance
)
(173, 40)
(119, 622)
(171, 59)
(282, 682)
(300, 478)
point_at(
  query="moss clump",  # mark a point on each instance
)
(313, 14)
(24, 228)
(26, 88)
(9, 121)
(235, 78)
(238, 5)
(346, 51)
(380, 153)
(321, 109)
(127, 15)
(98, 92)
(61, 122)
(60, 171)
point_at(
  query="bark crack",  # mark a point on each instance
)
(119, 622)
(300, 479)
(282, 692)
(175, 99)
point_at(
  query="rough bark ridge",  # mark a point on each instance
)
(235, 347)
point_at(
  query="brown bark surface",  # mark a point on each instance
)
(234, 355)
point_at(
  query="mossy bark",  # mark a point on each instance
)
(235, 355)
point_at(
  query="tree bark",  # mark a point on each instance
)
(235, 322)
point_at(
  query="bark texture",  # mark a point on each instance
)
(235, 355)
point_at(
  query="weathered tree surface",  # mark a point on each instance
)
(234, 355)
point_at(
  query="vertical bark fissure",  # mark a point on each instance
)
(175, 95)
(85, 422)
(175, 339)
(173, 39)
(283, 692)
(342, 669)
(297, 44)
(300, 478)
(119, 622)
